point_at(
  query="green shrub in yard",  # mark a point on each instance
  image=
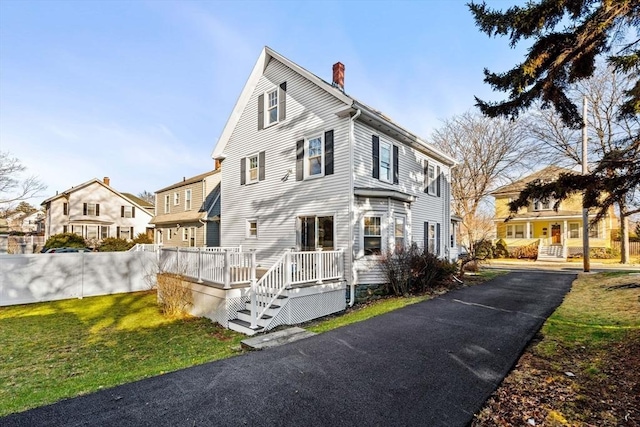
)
(414, 270)
(65, 240)
(115, 244)
(501, 250)
(143, 238)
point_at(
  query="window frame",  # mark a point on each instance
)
(432, 181)
(268, 108)
(577, 230)
(187, 199)
(176, 198)
(365, 235)
(249, 179)
(308, 157)
(594, 231)
(389, 147)
(167, 203)
(127, 210)
(249, 228)
(539, 205)
(431, 238)
(395, 231)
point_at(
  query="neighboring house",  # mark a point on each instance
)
(557, 233)
(33, 223)
(188, 212)
(14, 220)
(95, 211)
(305, 166)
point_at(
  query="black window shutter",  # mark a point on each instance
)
(438, 238)
(84, 209)
(133, 211)
(261, 166)
(118, 232)
(328, 152)
(396, 166)
(243, 171)
(376, 156)
(131, 236)
(97, 209)
(261, 112)
(282, 101)
(121, 211)
(426, 176)
(426, 236)
(300, 160)
(439, 180)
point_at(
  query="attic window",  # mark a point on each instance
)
(272, 106)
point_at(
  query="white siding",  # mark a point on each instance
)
(279, 199)
(425, 208)
(110, 211)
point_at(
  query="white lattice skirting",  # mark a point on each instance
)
(311, 302)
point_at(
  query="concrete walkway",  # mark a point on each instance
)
(429, 364)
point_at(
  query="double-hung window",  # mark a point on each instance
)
(574, 230)
(431, 179)
(541, 205)
(176, 198)
(516, 230)
(399, 232)
(431, 238)
(127, 212)
(385, 161)
(187, 199)
(315, 157)
(372, 235)
(594, 231)
(253, 168)
(272, 107)
(91, 209)
(166, 204)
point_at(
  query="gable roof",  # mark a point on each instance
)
(550, 173)
(99, 182)
(135, 199)
(373, 116)
(191, 180)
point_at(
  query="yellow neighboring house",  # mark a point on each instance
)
(557, 233)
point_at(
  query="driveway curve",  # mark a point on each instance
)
(429, 364)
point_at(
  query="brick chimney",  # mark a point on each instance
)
(338, 75)
(106, 180)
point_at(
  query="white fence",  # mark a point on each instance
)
(47, 277)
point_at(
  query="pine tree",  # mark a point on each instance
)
(568, 38)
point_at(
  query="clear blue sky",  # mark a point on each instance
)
(140, 90)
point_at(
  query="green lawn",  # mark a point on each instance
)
(61, 349)
(66, 348)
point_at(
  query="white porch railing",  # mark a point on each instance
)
(293, 268)
(226, 267)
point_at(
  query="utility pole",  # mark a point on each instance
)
(585, 211)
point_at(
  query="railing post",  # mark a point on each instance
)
(320, 265)
(199, 265)
(227, 269)
(340, 262)
(287, 268)
(254, 292)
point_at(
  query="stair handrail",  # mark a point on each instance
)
(285, 262)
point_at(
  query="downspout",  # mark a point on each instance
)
(352, 139)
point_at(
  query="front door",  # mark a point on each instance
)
(555, 234)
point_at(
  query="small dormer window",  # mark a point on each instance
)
(542, 205)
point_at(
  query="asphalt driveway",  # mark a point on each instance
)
(429, 364)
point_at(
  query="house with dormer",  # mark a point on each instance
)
(558, 233)
(305, 166)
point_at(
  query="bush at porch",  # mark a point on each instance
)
(414, 270)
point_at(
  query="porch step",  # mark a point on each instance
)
(275, 339)
(243, 327)
(551, 253)
(245, 315)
